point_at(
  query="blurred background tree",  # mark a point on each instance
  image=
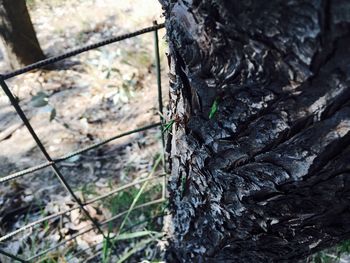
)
(18, 39)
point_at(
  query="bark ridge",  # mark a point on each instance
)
(267, 179)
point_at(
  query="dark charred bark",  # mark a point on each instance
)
(267, 179)
(17, 34)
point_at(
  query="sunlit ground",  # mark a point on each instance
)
(94, 96)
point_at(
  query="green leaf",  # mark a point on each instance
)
(214, 108)
(41, 99)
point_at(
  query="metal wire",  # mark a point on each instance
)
(53, 162)
(75, 52)
(92, 228)
(24, 172)
(41, 220)
(54, 167)
(159, 82)
(96, 145)
(124, 231)
(12, 256)
(160, 103)
(72, 154)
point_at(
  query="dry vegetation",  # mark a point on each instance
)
(90, 97)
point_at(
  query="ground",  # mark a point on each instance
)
(90, 97)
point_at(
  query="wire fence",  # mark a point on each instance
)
(50, 162)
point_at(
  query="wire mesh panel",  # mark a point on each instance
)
(53, 163)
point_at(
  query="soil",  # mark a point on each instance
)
(95, 95)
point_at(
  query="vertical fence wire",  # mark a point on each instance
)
(160, 104)
(159, 81)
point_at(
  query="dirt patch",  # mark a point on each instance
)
(94, 96)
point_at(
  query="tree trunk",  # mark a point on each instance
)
(260, 145)
(21, 47)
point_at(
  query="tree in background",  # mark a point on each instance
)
(260, 142)
(21, 46)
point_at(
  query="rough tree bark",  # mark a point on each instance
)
(21, 47)
(267, 178)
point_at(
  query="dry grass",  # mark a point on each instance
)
(96, 95)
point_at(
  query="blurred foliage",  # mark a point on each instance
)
(332, 255)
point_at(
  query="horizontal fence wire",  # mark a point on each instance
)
(154, 202)
(75, 52)
(75, 153)
(41, 220)
(24, 172)
(53, 162)
(124, 231)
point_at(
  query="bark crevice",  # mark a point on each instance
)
(265, 178)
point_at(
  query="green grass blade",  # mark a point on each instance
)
(168, 126)
(137, 197)
(135, 235)
(137, 247)
(106, 249)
